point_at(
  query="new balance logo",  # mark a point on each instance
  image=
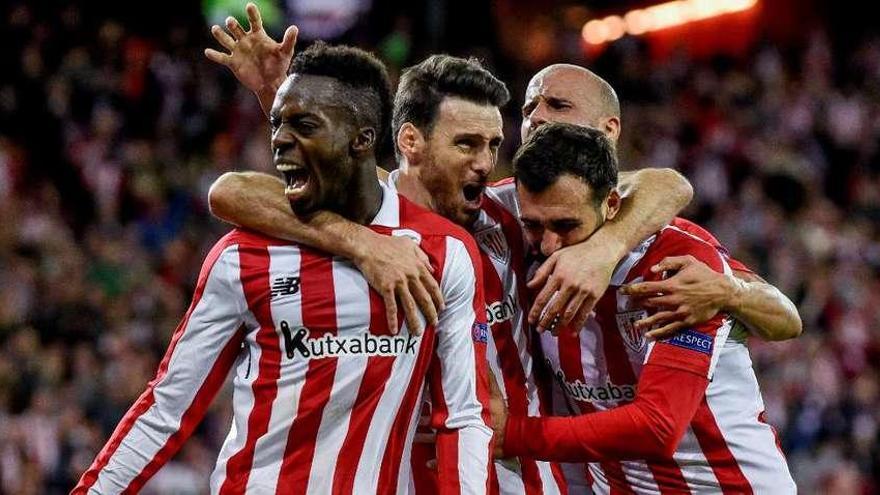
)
(285, 286)
(296, 341)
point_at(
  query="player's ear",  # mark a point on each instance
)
(611, 127)
(411, 143)
(612, 204)
(365, 141)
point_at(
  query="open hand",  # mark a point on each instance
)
(398, 269)
(257, 60)
(573, 279)
(693, 295)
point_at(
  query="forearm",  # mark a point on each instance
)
(256, 201)
(650, 427)
(651, 199)
(764, 309)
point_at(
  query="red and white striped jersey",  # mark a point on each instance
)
(727, 446)
(325, 396)
(502, 253)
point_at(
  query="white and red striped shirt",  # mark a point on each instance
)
(325, 396)
(633, 395)
(502, 252)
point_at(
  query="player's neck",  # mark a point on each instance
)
(411, 187)
(365, 196)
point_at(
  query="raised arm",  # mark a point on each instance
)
(696, 293)
(581, 273)
(394, 266)
(257, 61)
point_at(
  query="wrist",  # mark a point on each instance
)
(614, 247)
(358, 243)
(735, 294)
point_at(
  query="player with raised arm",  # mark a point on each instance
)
(326, 395)
(678, 415)
(448, 128)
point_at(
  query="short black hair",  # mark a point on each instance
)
(423, 87)
(556, 149)
(360, 70)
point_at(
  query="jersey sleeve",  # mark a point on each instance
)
(203, 348)
(458, 375)
(648, 428)
(704, 235)
(695, 349)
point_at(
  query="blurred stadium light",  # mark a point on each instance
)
(657, 17)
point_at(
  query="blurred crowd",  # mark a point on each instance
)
(109, 140)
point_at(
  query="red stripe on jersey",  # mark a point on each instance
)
(423, 478)
(724, 465)
(319, 317)
(146, 400)
(372, 386)
(195, 412)
(254, 262)
(570, 361)
(511, 369)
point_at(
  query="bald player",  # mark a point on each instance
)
(572, 94)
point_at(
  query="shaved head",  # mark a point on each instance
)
(574, 95)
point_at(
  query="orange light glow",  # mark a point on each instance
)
(661, 16)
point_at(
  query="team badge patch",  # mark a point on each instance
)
(480, 332)
(633, 338)
(693, 340)
(492, 241)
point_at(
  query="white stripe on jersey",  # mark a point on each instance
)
(197, 348)
(639, 476)
(284, 261)
(370, 463)
(346, 382)
(246, 372)
(471, 470)
(751, 442)
(695, 468)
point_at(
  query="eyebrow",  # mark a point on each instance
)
(478, 136)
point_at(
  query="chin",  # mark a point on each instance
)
(303, 207)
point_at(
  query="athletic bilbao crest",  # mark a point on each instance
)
(626, 323)
(493, 243)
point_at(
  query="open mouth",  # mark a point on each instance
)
(296, 180)
(473, 193)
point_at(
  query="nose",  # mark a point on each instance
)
(281, 139)
(538, 117)
(485, 162)
(550, 243)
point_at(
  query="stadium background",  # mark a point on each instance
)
(113, 125)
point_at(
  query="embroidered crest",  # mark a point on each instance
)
(493, 243)
(633, 338)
